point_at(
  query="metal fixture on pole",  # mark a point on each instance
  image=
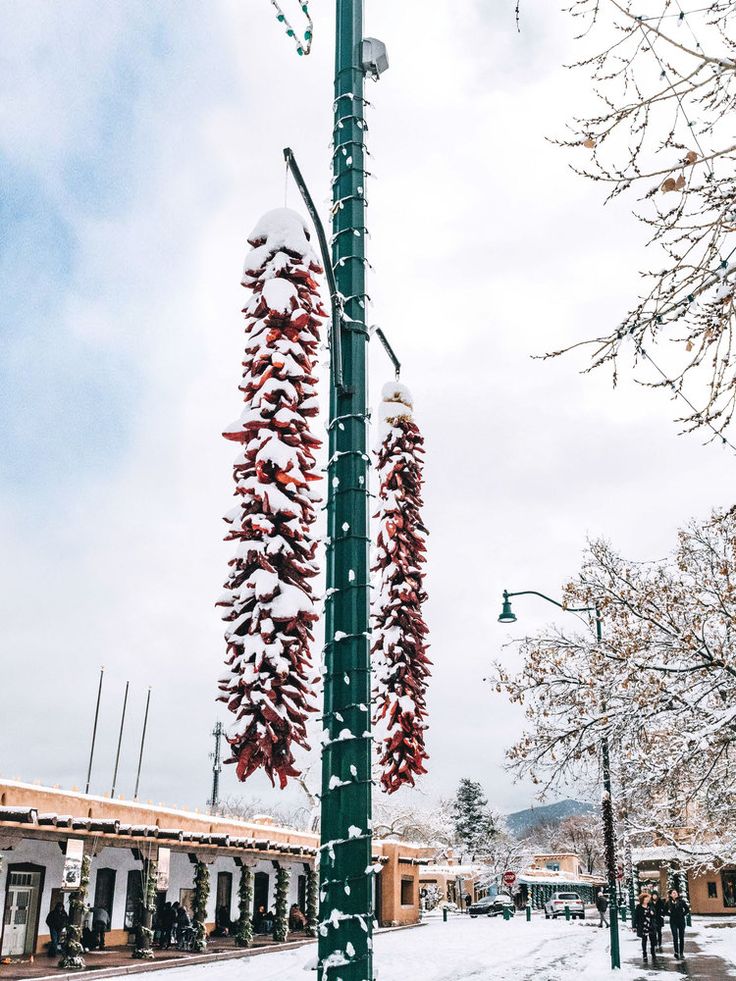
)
(120, 740)
(143, 742)
(508, 616)
(94, 730)
(216, 757)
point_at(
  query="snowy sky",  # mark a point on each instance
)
(139, 143)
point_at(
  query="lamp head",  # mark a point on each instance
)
(507, 614)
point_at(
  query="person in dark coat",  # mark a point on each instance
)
(297, 919)
(678, 911)
(645, 925)
(659, 906)
(56, 921)
(167, 921)
(601, 904)
(182, 925)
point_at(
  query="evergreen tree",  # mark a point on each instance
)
(473, 820)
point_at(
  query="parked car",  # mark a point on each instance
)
(492, 906)
(555, 906)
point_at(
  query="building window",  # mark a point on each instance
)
(712, 890)
(553, 866)
(407, 892)
(301, 893)
(728, 882)
(134, 899)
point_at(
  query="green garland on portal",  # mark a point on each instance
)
(312, 902)
(144, 934)
(244, 929)
(199, 904)
(72, 951)
(281, 910)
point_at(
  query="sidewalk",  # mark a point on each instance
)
(698, 965)
(117, 960)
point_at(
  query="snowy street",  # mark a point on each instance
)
(482, 949)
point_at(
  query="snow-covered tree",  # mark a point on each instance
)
(665, 81)
(268, 596)
(412, 817)
(578, 833)
(661, 685)
(399, 648)
(473, 820)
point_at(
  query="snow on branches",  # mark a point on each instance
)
(665, 670)
(268, 596)
(399, 648)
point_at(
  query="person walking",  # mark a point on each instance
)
(659, 906)
(100, 925)
(601, 904)
(678, 910)
(56, 921)
(468, 900)
(645, 926)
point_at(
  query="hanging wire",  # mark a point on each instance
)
(678, 393)
(302, 47)
(650, 40)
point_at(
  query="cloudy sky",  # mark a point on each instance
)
(140, 140)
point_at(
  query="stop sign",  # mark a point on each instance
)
(509, 878)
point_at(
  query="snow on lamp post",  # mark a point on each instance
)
(508, 616)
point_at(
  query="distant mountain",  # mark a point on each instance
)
(520, 822)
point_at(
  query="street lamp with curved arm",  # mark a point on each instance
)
(508, 616)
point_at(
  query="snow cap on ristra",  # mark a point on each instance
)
(396, 403)
(280, 234)
(268, 601)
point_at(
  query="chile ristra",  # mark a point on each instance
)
(268, 595)
(399, 649)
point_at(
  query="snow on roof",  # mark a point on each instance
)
(452, 870)
(665, 853)
(159, 808)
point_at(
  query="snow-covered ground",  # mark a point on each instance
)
(461, 948)
(482, 950)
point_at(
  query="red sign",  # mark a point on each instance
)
(620, 873)
(509, 878)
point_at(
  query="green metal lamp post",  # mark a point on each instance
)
(508, 616)
(346, 875)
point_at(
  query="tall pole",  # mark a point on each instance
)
(216, 758)
(143, 742)
(346, 877)
(120, 740)
(609, 838)
(608, 832)
(94, 731)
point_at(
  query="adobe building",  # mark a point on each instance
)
(42, 828)
(712, 893)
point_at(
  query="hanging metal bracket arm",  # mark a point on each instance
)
(335, 304)
(389, 350)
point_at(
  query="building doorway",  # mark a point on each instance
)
(20, 919)
(260, 891)
(224, 898)
(105, 890)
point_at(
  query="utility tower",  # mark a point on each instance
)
(216, 758)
